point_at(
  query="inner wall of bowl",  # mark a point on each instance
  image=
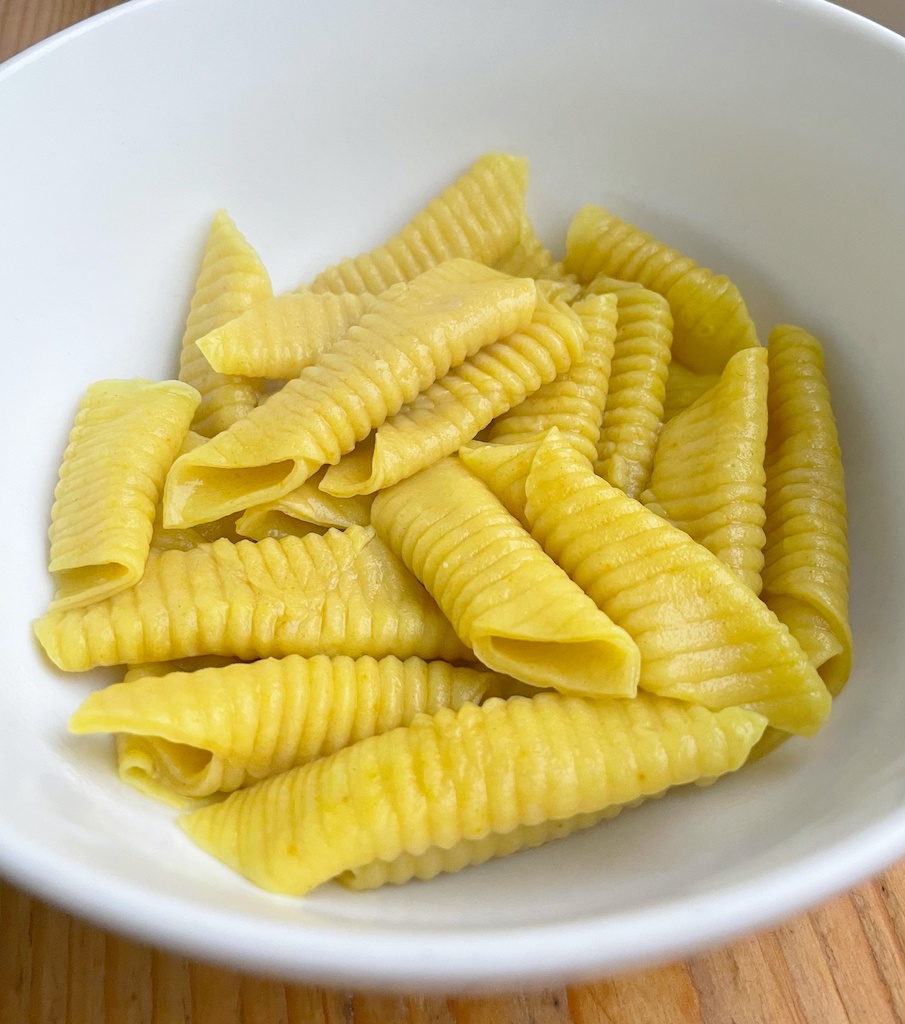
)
(729, 130)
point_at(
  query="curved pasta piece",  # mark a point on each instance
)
(231, 279)
(634, 407)
(515, 608)
(479, 217)
(279, 337)
(573, 402)
(806, 554)
(529, 256)
(712, 321)
(396, 351)
(271, 521)
(684, 387)
(708, 474)
(342, 593)
(463, 775)
(217, 729)
(504, 469)
(703, 635)
(456, 407)
(125, 437)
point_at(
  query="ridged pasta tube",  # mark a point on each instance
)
(529, 257)
(479, 217)
(703, 635)
(574, 402)
(463, 775)
(712, 321)
(683, 387)
(708, 475)
(231, 279)
(279, 337)
(507, 600)
(806, 569)
(342, 593)
(218, 729)
(504, 468)
(634, 406)
(395, 352)
(126, 435)
(456, 407)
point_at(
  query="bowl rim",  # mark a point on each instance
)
(474, 959)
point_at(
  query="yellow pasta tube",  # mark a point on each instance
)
(463, 775)
(634, 405)
(529, 257)
(342, 593)
(271, 521)
(703, 635)
(279, 337)
(708, 474)
(456, 407)
(514, 607)
(712, 322)
(217, 729)
(683, 387)
(573, 402)
(479, 217)
(806, 570)
(125, 437)
(396, 351)
(231, 279)
(504, 469)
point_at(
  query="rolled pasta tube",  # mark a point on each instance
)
(683, 387)
(513, 606)
(232, 278)
(704, 636)
(126, 435)
(574, 401)
(708, 473)
(459, 405)
(278, 337)
(712, 321)
(396, 351)
(463, 775)
(529, 257)
(342, 593)
(504, 469)
(634, 405)
(217, 729)
(479, 217)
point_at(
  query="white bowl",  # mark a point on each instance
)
(767, 139)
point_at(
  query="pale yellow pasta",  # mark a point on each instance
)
(216, 729)
(504, 468)
(456, 407)
(479, 217)
(634, 406)
(708, 473)
(711, 320)
(463, 775)
(683, 387)
(125, 437)
(271, 521)
(529, 256)
(574, 402)
(231, 279)
(396, 351)
(703, 635)
(278, 337)
(507, 600)
(342, 593)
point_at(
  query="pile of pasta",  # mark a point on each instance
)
(454, 550)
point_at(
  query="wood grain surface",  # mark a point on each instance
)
(841, 964)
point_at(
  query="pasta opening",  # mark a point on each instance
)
(163, 768)
(201, 494)
(79, 586)
(256, 524)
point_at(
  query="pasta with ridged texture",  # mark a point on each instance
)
(340, 593)
(504, 469)
(683, 387)
(703, 635)
(479, 217)
(231, 279)
(634, 406)
(708, 474)
(456, 407)
(217, 729)
(712, 321)
(278, 337)
(513, 606)
(529, 256)
(125, 437)
(179, 538)
(574, 401)
(395, 352)
(463, 775)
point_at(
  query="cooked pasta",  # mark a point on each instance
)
(529, 256)
(504, 468)
(684, 386)
(515, 608)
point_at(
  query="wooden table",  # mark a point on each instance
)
(842, 963)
